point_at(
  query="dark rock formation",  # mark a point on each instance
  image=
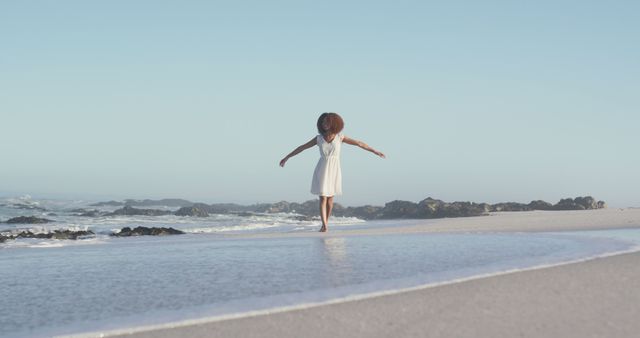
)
(68, 234)
(540, 205)
(510, 206)
(131, 211)
(427, 208)
(192, 211)
(107, 204)
(400, 209)
(145, 231)
(56, 234)
(363, 212)
(28, 220)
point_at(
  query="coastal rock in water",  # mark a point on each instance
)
(568, 204)
(28, 220)
(587, 202)
(145, 231)
(540, 205)
(69, 234)
(191, 211)
(463, 209)
(131, 211)
(400, 209)
(107, 204)
(510, 206)
(282, 206)
(579, 203)
(364, 212)
(56, 234)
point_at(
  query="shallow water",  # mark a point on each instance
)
(123, 282)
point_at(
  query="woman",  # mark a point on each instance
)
(327, 177)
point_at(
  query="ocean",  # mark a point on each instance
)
(223, 267)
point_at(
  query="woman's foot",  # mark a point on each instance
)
(323, 229)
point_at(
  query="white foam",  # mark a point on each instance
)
(51, 243)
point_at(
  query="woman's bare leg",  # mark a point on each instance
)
(323, 213)
(329, 207)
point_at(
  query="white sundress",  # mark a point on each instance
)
(327, 178)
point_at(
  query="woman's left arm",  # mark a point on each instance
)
(362, 145)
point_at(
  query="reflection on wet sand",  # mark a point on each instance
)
(335, 249)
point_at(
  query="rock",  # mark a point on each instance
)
(568, 204)
(540, 205)
(107, 204)
(28, 220)
(3, 238)
(278, 207)
(431, 208)
(400, 209)
(510, 206)
(192, 211)
(69, 234)
(579, 203)
(311, 208)
(56, 234)
(145, 231)
(367, 212)
(587, 202)
(463, 209)
(131, 211)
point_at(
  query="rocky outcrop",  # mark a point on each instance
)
(145, 231)
(56, 234)
(579, 203)
(131, 211)
(192, 211)
(107, 204)
(540, 205)
(28, 220)
(427, 208)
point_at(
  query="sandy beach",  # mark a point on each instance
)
(593, 298)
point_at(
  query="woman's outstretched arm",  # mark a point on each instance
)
(298, 150)
(362, 145)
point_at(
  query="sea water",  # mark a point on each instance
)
(51, 287)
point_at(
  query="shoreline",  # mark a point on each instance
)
(153, 330)
(253, 323)
(585, 299)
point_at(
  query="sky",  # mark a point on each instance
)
(484, 101)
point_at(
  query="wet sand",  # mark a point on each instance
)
(595, 298)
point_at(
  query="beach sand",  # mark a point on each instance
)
(594, 298)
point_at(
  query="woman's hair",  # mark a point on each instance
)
(335, 123)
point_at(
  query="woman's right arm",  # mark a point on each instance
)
(298, 150)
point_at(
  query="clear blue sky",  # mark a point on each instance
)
(470, 100)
